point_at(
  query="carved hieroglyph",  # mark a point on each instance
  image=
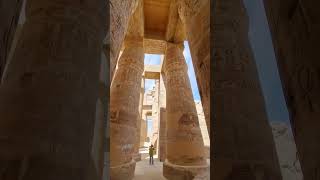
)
(184, 140)
(243, 146)
(9, 16)
(49, 92)
(295, 27)
(124, 110)
(195, 15)
(136, 154)
(120, 13)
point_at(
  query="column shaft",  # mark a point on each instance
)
(136, 154)
(196, 18)
(49, 92)
(295, 29)
(124, 110)
(185, 146)
(243, 146)
(120, 13)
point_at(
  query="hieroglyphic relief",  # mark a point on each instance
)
(305, 86)
(236, 89)
(182, 121)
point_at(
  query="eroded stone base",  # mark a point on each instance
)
(123, 172)
(176, 172)
(137, 157)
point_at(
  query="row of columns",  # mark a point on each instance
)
(54, 52)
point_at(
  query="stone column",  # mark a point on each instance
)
(243, 146)
(120, 13)
(136, 155)
(162, 135)
(143, 129)
(49, 92)
(124, 110)
(162, 118)
(155, 115)
(195, 15)
(295, 29)
(9, 17)
(185, 148)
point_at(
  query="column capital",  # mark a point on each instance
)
(178, 45)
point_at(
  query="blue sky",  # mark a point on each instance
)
(152, 59)
(261, 44)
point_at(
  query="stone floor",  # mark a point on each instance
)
(144, 171)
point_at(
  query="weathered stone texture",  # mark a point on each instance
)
(295, 27)
(185, 145)
(196, 18)
(120, 13)
(124, 110)
(163, 121)
(287, 151)
(162, 135)
(156, 116)
(243, 146)
(136, 154)
(49, 92)
(9, 16)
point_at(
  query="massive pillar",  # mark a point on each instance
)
(124, 110)
(162, 135)
(49, 92)
(195, 15)
(136, 154)
(243, 146)
(185, 148)
(295, 29)
(162, 119)
(155, 115)
(120, 13)
(9, 16)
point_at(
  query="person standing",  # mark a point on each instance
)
(151, 151)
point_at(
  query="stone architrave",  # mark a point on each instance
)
(124, 110)
(195, 15)
(9, 16)
(49, 92)
(185, 157)
(243, 145)
(295, 33)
